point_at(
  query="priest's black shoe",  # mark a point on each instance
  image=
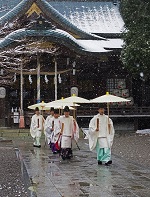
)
(38, 146)
(109, 162)
(99, 162)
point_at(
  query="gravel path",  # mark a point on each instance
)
(11, 184)
(133, 147)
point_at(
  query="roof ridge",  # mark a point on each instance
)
(48, 11)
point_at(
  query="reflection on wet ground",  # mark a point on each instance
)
(81, 176)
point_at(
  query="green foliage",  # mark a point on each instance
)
(136, 50)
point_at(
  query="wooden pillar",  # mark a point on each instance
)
(55, 80)
(38, 79)
(21, 122)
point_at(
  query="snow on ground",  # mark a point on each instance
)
(144, 131)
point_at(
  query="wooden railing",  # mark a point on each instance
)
(83, 111)
(132, 110)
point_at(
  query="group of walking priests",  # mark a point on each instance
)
(61, 130)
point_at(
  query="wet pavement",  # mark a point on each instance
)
(11, 182)
(81, 176)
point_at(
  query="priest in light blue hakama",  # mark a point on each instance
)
(101, 135)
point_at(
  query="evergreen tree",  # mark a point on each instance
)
(136, 50)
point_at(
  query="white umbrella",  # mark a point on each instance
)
(61, 104)
(108, 98)
(46, 106)
(57, 106)
(41, 106)
(75, 99)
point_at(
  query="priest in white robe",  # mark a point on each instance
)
(36, 128)
(55, 128)
(69, 131)
(101, 135)
(47, 130)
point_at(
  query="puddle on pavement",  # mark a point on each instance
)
(83, 156)
(53, 156)
(32, 151)
(84, 191)
(135, 187)
(84, 195)
(137, 173)
(53, 159)
(131, 168)
(85, 184)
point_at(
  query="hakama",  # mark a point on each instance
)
(55, 136)
(70, 130)
(102, 140)
(47, 129)
(36, 128)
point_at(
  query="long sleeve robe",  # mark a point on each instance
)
(47, 128)
(70, 130)
(105, 134)
(55, 124)
(37, 125)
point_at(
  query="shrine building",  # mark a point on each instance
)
(53, 49)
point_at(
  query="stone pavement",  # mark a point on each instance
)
(81, 176)
(11, 183)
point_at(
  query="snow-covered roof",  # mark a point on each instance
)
(80, 18)
(7, 5)
(94, 17)
(50, 13)
(100, 45)
(58, 36)
(90, 16)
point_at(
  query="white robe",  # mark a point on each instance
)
(70, 131)
(105, 134)
(47, 128)
(55, 123)
(37, 125)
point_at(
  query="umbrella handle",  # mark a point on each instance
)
(77, 144)
(108, 109)
(108, 117)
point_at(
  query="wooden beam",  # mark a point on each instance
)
(35, 72)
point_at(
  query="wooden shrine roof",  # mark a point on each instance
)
(99, 17)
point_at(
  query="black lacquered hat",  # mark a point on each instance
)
(36, 109)
(52, 109)
(66, 109)
(56, 111)
(101, 105)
